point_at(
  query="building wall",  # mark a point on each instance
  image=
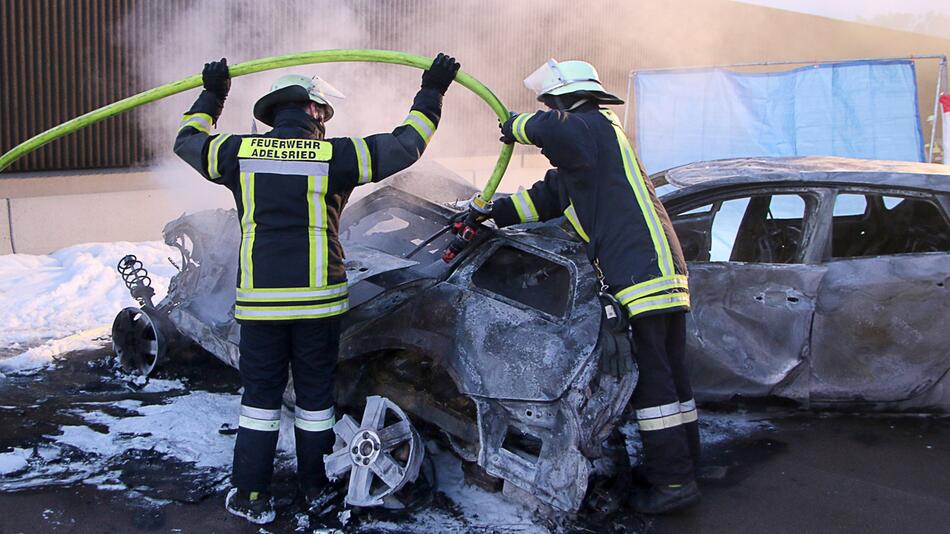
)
(61, 59)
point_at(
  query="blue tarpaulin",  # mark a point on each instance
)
(860, 109)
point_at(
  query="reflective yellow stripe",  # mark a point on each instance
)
(645, 289)
(262, 414)
(271, 294)
(421, 124)
(248, 227)
(286, 168)
(317, 212)
(689, 416)
(518, 128)
(257, 424)
(632, 170)
(659, 302)
(314, 421)
(315, 426)
(283, 313)
(199, 121)
(364, 159)
(652, 412)
(525, 206)
(660, 423)
(422, 116)
(571, 215)
(213, 149)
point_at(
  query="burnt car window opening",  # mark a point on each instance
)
(876, 225)
(527, 279)
(757, 229)
(395, 230)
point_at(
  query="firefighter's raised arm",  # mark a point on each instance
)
(563, 138)
(194, 143)
(376, 157)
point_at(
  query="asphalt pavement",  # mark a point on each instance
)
(803, 472)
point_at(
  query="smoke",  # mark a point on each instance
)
(497, 42)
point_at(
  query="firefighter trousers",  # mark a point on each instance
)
(665, 409)
(309, 348)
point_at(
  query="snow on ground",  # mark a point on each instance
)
(71, 290)
(66, 301)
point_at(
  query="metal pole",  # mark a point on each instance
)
(773, 63)
(936, 114)
(626, 108)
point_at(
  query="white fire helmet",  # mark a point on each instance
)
(561, 78)
(294, 88)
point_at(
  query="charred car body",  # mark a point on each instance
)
(820, 280)
(500, 349)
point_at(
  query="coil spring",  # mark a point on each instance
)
(136, 279)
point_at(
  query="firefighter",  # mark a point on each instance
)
(290, 185)
(599, 186)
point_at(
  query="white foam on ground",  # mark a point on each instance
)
(714, 428)
(14, 460)
(185, 427)
(73, 289)
(482, 510)
(42, 355)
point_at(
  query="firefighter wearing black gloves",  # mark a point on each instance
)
(290, 186)
(599, 186)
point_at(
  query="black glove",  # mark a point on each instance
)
(441, 73)
(506, 136)
(616, 354)
(217, 78)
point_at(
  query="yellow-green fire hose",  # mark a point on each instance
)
(270, 63)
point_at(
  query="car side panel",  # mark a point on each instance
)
(881, 332)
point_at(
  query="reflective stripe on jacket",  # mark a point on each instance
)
(290, 187)
(600, 188)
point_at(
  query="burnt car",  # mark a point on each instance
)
(498, 350)
(819, 280)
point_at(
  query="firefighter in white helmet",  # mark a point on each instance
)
(601, 189)
(290, 186)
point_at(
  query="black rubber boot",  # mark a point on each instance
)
(666, 498)
(256, 507)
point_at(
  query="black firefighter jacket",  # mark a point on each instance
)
(599, 186)
(290, 186)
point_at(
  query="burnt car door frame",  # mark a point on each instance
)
(752, 320)
(500, 241)
(870, 339)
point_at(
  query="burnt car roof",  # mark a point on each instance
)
(813, 169)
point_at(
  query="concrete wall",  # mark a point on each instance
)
(40, 214)
(43, 212)
(6, 245)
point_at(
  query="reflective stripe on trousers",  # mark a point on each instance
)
(315, 420)
(666, 415)
(259, 419)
